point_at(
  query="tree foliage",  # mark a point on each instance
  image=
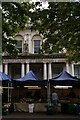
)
(14, 18)
(60, 25)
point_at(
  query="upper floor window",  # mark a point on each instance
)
(19, 46)
(36, 46)
(36, 43)
(20, 40)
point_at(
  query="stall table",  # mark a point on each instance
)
(24, 107)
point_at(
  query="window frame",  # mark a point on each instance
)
(20, 47)
(34, 46)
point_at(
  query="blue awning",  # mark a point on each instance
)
(29, 76)
(30, 80)
(64, 78)
(4, 77)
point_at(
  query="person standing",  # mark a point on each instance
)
(55, 99)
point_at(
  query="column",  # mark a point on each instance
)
(49, 71)
(72, 69)
(1, 68)
(6, 68)
(22, 70)
(45, 71)
(27, 68)
(48, 84)
(67, 67)
(8, 93)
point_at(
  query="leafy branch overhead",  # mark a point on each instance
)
(60, 24)
(14, 18)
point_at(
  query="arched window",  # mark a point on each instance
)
(37, 41)
(19, 46)
(20, 40)
(37, 46)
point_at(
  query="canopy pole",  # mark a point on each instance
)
(11, 92)
(8, 92)
(18, 93)
(48, 92)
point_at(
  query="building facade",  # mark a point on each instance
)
(44, 66)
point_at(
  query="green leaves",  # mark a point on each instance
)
(14, 18)
(60, 24)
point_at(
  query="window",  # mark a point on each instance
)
(17, 73)
(19, 46)
(36, 46)
(76, 71)
(56, 70)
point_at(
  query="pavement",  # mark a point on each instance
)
(39, 116)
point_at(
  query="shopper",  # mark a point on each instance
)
(55, 99)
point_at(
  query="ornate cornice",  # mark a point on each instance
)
(35, 59)
(38, 56)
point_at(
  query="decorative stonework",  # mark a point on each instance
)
(32, 60)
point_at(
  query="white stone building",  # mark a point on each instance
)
(44, 66)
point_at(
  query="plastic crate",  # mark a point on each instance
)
(71, 109)
(78, 109)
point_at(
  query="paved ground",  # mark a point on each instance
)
(39, 116)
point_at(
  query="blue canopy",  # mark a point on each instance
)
(29, 79)
(64, 78)
(4, 77)
(29, 76)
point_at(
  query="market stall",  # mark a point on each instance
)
(67, 87)
(5, 92)
(33, 89)
(29, 87)
(5, 83)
